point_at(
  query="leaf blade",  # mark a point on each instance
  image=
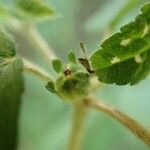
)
(10, 97)
(124, 49)
(11, 87)
(72, 57)
(7, 46)
(57, 65)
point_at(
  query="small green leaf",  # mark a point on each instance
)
(57, 65)
(124, 57)
(34, 8)
(7, 46)
(51, 87)
(72, 57)
(81, 76)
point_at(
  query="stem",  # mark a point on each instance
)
(33, 36)
(37, 40)
(78, 125)
(36, 70)
(127, 121)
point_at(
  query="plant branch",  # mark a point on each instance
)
(78, 125)
(127, 121)
(33, 36)
(36, 70)
(37, 41)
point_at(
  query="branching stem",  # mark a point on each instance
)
(127, 121)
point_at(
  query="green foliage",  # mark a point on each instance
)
(125, 56)
(72, 82)
(11, 87)
(7, 46)
(34, 8)
(51, 87)
(71, 57)
(57, 65)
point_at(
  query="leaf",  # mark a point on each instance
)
(11, 87)
(51, 87)
(7, 46)
(72, 57)
(57, 65)
(125, 56)
(34, 8)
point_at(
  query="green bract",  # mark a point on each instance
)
(11, 87)
(72, 57)
(125, 56)
(72, 82)
(51, 87)
(57, 65)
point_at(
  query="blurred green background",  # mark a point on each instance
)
(45, 120)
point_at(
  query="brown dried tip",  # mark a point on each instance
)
(83, 49)
(86, 64)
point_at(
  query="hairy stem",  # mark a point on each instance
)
(37, 41)
(127, 121)
(78, 125)
(36, 70)
(33, 36)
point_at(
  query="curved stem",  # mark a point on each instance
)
(36, 70)
(127, 121)
(37, 41)
(78, 125)
(33, 36)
